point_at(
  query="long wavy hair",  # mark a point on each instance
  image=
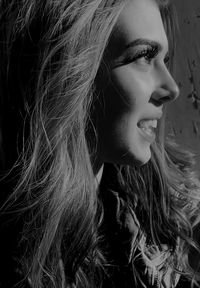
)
(62, 45)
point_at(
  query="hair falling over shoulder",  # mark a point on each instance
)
(61, 44)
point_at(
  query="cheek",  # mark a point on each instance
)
(122, 103)
(132, 86)
(123, 98)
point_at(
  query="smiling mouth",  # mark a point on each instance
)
(148, 127)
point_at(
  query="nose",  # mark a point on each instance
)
(167, 89)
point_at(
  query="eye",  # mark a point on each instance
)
(167, 60)
(144, 56)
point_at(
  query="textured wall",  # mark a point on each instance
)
(184, 114)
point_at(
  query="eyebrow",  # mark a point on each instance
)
(142, 41)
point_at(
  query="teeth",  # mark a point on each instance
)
(148, 124)
(154, 123)
(148, 131)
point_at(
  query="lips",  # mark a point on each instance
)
(147, 124)
(150, 120)
(148, 127)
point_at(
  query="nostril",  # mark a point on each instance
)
(161, 96)
(160, 101)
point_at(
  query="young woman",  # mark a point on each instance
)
(106, 202)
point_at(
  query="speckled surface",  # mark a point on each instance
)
(183, 118)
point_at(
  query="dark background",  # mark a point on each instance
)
(183, 119)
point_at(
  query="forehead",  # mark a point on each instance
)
(140, 19)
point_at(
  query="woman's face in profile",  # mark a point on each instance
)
(135, 86)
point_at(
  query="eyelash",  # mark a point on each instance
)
(167, 60)
(148, 54)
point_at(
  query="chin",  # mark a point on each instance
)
(132, 157)
(136, 149)
(136, 152)
(139, 159)
(144, 159)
